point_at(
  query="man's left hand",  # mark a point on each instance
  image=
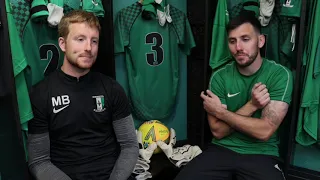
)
(212, 103)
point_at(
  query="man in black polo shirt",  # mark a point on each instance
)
(82, 127)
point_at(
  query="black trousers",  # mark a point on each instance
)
(219, 163)
(132, 177)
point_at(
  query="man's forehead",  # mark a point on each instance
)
(245, 29)
(81, 28)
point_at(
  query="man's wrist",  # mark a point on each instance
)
(220, 113)
(252, 107)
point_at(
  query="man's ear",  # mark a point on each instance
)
(62, 44)
(262, 40)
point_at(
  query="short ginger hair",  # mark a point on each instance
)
(77, 16)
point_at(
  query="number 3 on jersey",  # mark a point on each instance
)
(50, 53)
(155, 58)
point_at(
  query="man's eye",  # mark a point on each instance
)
(246, 39)
(80, 39)
(232, 41)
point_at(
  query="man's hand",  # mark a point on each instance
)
(212, 103)
(260, 96)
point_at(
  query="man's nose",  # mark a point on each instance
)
(88, 46)
(238, 46)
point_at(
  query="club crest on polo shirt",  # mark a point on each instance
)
(288, 4)
(99, 103)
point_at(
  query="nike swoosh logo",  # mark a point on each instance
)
(94, 2)
(231, 95)
(287, 5)
(58, 110)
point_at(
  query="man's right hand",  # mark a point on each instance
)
(259, 95)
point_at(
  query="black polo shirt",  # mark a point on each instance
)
(78, 114)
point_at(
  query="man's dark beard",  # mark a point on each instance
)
(251, 60)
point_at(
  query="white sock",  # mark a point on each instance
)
(55, 14)
(266, 9)
(164, 16)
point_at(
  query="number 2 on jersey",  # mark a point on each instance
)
(50, 53)
(155, 58)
